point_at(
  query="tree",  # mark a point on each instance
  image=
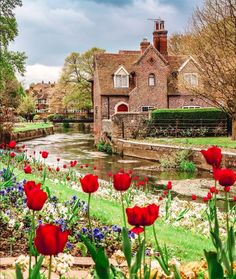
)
(76, 77)
(27, 107)
(178, 44)
(10, 62)
(213, 42)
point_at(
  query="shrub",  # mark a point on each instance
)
(187, 166)
(51, 117)
(201, 113)
(104, 147)
(66, 125)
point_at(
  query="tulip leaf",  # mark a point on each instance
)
(126, 245)
(231, 244)
(19, 274)
(91, 248)
(35, 271)
(176, 272)
(102, 264)
(138, 260)
(83, 248)
(215, 270)
(117, 273)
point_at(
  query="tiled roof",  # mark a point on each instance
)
(108, 63)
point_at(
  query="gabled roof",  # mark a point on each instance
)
(151, 47)
(190, 58)
(107, 64)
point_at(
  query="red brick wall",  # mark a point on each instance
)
(113, 101)
(180, 101)
(145, 95)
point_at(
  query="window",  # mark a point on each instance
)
(121, 78)
(151, 80)
(147, 108)
(191, 79)
(191, 107)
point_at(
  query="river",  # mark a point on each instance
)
(80, 146)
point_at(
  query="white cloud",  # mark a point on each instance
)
(38, 73)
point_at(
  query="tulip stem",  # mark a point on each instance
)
(140, 271)
(31, 240)
(89, 220)
(50, 268)
(227, 212)
(144, 250)
(123, 209)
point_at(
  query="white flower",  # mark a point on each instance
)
(11, 223)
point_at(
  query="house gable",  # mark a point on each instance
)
(156, 53)
(189, 60)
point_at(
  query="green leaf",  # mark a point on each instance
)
(102, 264)
(19, 274)
(215, 269)
(138, 260)
(126, 245)
(35, 271)
(83, 248)
(91, 248)
(231, 244)
(176, 272)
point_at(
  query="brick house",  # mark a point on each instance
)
(137, 81)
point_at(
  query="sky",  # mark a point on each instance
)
(49, 30)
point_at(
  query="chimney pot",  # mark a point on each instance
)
(160, 37)
(144, 45)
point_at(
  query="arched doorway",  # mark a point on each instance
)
(122, 108)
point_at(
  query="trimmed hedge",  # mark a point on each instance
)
(201, 113)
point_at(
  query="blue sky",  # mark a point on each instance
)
(50, 29)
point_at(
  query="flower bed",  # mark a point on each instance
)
(34, 219)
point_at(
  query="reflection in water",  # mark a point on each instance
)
(79, 146)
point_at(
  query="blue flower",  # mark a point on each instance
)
(131, 234)
(69, 246)
(115, 228)
(74, 198)
(84, 230)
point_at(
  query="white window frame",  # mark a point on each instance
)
(121, 80)
(188, 77)
(191, 107)
(148, 108)
(153, 78)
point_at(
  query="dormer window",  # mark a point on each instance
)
(191, 79)
(151, 80)
(121, 78)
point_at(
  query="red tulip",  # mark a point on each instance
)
(44, 154)
(31, 185)
(194, 197)
(110, 174)
(227, 188)
(64, 166)
(58, 159)
(205, 199)
(142, 216)
(234, 198)
(57, 169)
(50, 240)
(169, 185)
(27, 169)
(226, 177)
(160, 198)
(121, 181)
(12, 154)
(214, 190)
(36, 199)
(94, 167)
(89, 183)
(12, 144)
(213, 156)
(209, 195)
(68, 178)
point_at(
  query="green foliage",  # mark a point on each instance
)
(104, 147)
(75, 79)
(201, 113)
(187, 166)
(181, 160)
(27, 106)
(66, 125)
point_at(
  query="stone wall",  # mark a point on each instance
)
(32, 134)
(127, 124)
(155, 151)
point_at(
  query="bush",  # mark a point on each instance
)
(187, 166)
(66, 125)
(201, 113)
(51, 117)
(104, 147)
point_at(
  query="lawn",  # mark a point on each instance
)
(184, 244)
(225, 142)
(24, 126)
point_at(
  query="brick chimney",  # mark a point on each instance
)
(160, 36)
(144, 45)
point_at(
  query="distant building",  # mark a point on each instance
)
(48, 97)
(138, 81)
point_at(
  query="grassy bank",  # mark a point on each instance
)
(23, 126)
(184, 244)
(225, 142)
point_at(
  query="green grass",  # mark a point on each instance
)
(183, 243)
(23, 126)
(198, 142)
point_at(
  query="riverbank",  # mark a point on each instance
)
(155, 151)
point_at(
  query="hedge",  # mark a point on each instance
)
(201, 113)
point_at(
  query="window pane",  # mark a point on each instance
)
(151, 80)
